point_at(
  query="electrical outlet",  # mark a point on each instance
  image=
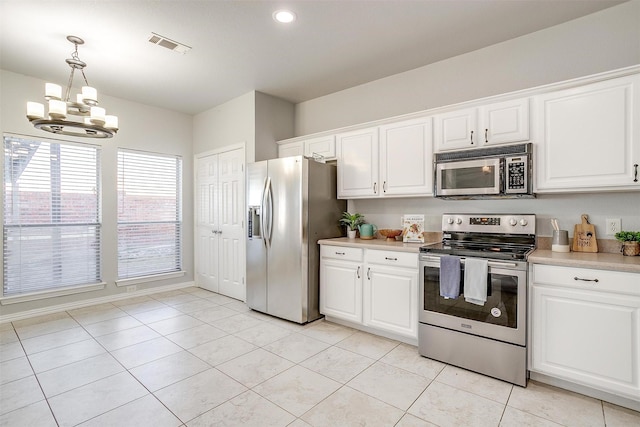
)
(132, 288)
(613, 226)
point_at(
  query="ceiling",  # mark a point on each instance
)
(237, 47)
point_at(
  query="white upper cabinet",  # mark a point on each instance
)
(290, 149)
(497, 123)
(589, 137)
(391, 160)
(324, 146)
(406, 155)
(357, 154)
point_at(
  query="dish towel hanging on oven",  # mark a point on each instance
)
(449, 276)
(475, 280)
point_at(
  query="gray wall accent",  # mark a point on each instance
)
(274, 120)
(598, 42)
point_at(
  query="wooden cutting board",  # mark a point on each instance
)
(584, 236)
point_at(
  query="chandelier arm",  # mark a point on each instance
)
(84, 77)
(69, 84)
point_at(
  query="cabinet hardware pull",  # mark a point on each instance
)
(384, 186)
(390, 259)
(586, 280)
(486, 136)
(369, 273)
(635, 173)
(358, 273)
(339, 253)
(375, 188)
(471, 137)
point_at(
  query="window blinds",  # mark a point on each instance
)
(149, 214)
(51, 228)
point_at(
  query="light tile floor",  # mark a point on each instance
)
(195, 358)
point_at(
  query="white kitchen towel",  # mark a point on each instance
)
(475, 280)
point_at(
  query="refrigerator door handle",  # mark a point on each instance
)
(269, 209)
(263, 212)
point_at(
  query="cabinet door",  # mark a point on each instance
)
(291, 149)
(589, 137)
(390, 298)
(341, 289)
(457, 129)
(357, 154)
(504, 122)
(324, 146)
(406, 155)
(591, 338)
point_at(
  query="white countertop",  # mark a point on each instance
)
(598, 260)
(381, 244)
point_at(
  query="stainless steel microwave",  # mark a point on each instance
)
(495, 172)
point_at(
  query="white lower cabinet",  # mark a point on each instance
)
(586, 327)
(341, 282)
(374, 288)
(390, 292)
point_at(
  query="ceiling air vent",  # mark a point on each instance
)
(168, 43)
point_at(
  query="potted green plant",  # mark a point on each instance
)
(352, 221)
(630, 242)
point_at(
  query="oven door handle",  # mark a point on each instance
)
(490, 263)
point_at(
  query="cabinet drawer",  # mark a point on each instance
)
(585, 278)
(341, 252)
(400, 259)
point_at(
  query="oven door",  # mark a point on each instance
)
(502, 317)
(468, 177)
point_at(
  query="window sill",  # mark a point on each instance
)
(152, 278)
(34, 296)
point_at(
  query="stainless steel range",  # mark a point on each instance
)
(485, 333)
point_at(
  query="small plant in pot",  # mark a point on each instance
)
(352, 221)
(630, 242)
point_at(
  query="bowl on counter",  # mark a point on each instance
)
(390, 233)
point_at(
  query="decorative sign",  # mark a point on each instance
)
(413, 228)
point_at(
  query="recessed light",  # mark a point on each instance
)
(284, 16)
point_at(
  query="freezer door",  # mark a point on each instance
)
(286, 274)
(256, 244)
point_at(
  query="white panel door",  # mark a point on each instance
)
(591, 338)
(390, 297)
(406, 155)
(504, 122)
(206, 264)
(456, 129)
(220, 236)
(341, 289)
(231, 230)
(357, 154)
(589, 137)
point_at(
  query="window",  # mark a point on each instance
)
(149, 214)
(51, 228)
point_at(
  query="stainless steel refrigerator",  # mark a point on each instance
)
(291, 205)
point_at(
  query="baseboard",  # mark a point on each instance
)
(587, 391)
(374, 331)
(92, 301)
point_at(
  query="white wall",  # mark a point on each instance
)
(141, 127)
(598, 42)
(227, 124)
(603, 41)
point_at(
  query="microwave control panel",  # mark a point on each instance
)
(516, 179)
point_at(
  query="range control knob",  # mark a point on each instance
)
(523, 222)
(449, 220)
(513, 222)
(458, 221)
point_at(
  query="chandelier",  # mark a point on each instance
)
(92, 121)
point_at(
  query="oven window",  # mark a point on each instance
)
(469, 177)
(501, 307)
